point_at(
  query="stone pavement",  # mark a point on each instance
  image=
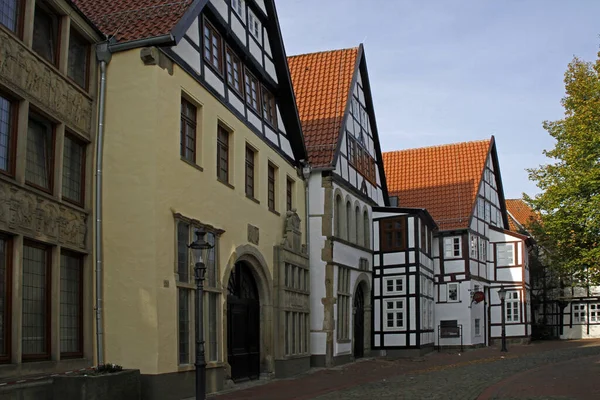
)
(548, 370)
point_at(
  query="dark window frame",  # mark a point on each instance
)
(249, 79)
(223, 154)
(5, 354)
(213, 33)
(71, 136)
(289, 193)
(79, 353)
(240, 73)
(187, 122)
(269, 106)
(385, 228)
(271, 186)
(250, 172)
(51, 154)
(86, 84)
(48, 337)
(12, 134)
(48, 9)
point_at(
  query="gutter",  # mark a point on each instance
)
(103, 55)
(163, 40)
(306, 170)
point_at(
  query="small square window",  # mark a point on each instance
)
(394, 285)
(453, 293)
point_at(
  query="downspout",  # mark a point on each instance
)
(104, 56)
(306, 174)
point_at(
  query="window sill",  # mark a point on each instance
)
(229, 185)
(192, 164)
(253, 199)
(344, 341)
(275, 212)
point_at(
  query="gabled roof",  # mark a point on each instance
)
(520, 215)
(129, 20)
(322, 83)
(443, 179)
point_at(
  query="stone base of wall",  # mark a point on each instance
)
(409, 353)
(179, 385)
(291, 367)
(318, 361)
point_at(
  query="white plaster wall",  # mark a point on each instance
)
(185, 50)
(579, 331)
(194, 33)
(454, 267)
(271, 135)
(254, 120)
(509, 274)
(285, 146)
(239, 30)
(213, 80)
(255, 50)
(270, 68)
(236, 102)
(221, 7)
(347, 255)
(456, 311)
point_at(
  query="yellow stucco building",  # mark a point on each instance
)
(201, 131)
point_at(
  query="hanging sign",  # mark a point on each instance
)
(478, 297)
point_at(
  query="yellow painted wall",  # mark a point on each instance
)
(145, 181)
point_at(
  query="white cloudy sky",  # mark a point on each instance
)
(446, 71)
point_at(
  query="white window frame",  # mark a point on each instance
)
(512, 306)
(455, 285)
(395, 279)
(254, 25)
(504, 247)
(594, 312)
(480, 208)
(450, 247)
(477, 326)
(483, 243)
(580, 313)
(394, 309)
(474, 243)
(239, 7)
(493, 216)
(488, 211)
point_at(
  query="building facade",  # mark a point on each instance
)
(47, 133)
(202, 133)
(335, 106)
(474, 254)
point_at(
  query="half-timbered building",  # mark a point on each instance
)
(201, 134)
(336, 109)
(474, 253)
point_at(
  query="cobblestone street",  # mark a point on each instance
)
(548, 370)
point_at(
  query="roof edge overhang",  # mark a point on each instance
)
(410, 210)
(526, 238)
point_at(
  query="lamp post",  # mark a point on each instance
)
(502, 295)
(199, 248)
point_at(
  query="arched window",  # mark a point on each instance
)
(338, 218)
(358, 222)
(349, 233)
(366, 229)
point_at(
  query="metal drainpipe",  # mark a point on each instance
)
(306, 173)
(104, 56)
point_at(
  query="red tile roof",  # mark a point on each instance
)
(128, 20)
(443, 179)
(321, 83)
(519, 213)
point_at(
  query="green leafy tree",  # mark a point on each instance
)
(569, 203)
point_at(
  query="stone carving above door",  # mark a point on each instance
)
(23, 72)
(26, 213)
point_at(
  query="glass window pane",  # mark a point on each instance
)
(78, 59)
(35, 302)
(6, 110)
(45, 33)
(39, 143)
(71, 307)
(73, 165)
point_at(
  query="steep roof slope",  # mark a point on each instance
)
(129, 20)
(443, 179)
(520, 215)
(322, 83)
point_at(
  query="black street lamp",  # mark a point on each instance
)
(502, 295)
(199, 248)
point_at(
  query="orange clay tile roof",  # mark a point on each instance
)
(518, 210)
(321, 83)
(134, 19)
(443, 179)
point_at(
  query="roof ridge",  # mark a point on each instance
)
(324, 51)
(437, 146)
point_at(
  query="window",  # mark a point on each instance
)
(73, 187)
(474, 246)
(393, 234)
(222, 154)
(483, 245)
(367, 229)
(289, 194)
(343, 304)
(394, 285)
(8, 119)
(234, 71)
(212, 47)
(238, 7)
(252, 95)
(40, 154)
(594, 312)
(339, 217)
(493, 216)
(349, 222)
(579, 314)
(357, 222)
(512, 306)
(249, 172)
(36, 302)
(394, 314)
(185, 233)
(10, 14)
(505, 254)
(480, 208)
(452, 247)
(488, 211)
(79, 52)
(423, 237)
(188, 131)
(71, 305)
(254, 25)
(5, 293)
(271, 186)
(453, 294)
(46, 32)
(477, 327)
(360, 159)
(269, 109)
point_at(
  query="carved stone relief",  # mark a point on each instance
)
(36, 217)
(22, 72)
(253, 234)
(292, 235)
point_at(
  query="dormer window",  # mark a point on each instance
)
(239, 6)
(254, 25)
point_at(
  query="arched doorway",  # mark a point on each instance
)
(243, 324)
(359, 323)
